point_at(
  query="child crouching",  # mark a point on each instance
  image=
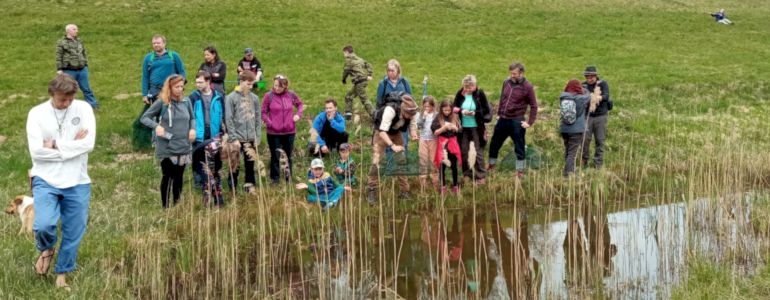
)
(345, 168)
(322, 187)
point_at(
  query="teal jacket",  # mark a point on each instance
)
(216, 114)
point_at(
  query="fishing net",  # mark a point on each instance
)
(534, 158)
(400, 164)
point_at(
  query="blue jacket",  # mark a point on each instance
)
(338, 123)
(385, 87)
(216, 114)
(325, 190)
(156, 68)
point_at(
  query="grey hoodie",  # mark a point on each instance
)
(581, 101)
(243, 117)
(177, 119)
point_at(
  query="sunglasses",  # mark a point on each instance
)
(279, 77)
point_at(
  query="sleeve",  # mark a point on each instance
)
(532, 106)
(605, 91)
(35, 140)
(297, 103)
(458, 102)
(311, 189)
(380, 93)
(229, 117)
(257, 120)
(178, 62)
(338, 123)
(71, 148)
(145, 76)
(387, 118)
(318, 123)
(485, 110)
(192, 115)
(369, 69)
(265, 109)
(413, 127)
(346, 69)
(352, 168)
(85, 54)
(222, 73)
(435, 125)
(407, 86)
(59, 55)
(148, 118)
(259, 64)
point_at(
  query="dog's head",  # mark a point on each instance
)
(13, 207)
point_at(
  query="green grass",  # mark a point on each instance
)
(690, 99)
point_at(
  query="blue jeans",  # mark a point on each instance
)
(71, 206)
(81, 76)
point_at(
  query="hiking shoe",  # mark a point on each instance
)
(348, 116)
(404, 195)
(490, 167)
(455, 189)
(520, 174)
(481, 181)
(249, 188)
(443, 190)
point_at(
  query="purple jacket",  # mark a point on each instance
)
(278, 111)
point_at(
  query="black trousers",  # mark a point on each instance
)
(173, 176)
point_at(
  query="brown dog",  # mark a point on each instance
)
(23, 206)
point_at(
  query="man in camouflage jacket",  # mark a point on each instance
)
(360, 72)
(71, 59)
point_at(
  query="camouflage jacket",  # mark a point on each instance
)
(357, 68)
(70, 54)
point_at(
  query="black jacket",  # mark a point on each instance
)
(483, 113)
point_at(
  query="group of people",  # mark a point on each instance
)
(210, 126)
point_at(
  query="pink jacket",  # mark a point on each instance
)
(278, 111)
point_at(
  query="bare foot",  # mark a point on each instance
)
(61, 283)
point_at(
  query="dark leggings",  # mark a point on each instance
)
(285, 142)
(442, 177)
(172, 178)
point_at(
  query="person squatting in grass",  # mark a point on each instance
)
(281, 109)
(330, 127)
(573, 103)
(216, 67)
(175, 131)
(516, 96)
(321, 187)
(388, 122)
(394, 82)
(475, 113)
(158, 65)
(446, 126)
(345, 167)
(360, 72)
(71, 59)
(428, 142)
(244, 132)
(60, 134)
(209, 110)
(596, 125)
(249, 62)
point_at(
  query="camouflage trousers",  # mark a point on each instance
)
(358, 90)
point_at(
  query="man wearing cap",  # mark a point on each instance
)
(388, 122)
(72, 60)
(596, 124)
(249, 62)
(330, 126)
(157, 66)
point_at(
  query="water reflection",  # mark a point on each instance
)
(585, 251)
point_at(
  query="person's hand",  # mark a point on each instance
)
(324, 149)
(145, 100)
(415, 137)
(330, 116)
(59, 72)
(524, 124)
(368, 78)
(397, 148)
(214, 74)
(191, 135)
(81, 134)
(339, 170)
(160, 131)
(295, 118)
(236, 144)
(348, 188)
(301, 186)
(49, 143)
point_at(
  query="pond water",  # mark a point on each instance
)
(583, 251)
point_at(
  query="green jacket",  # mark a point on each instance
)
(356, 67)
(70, 54)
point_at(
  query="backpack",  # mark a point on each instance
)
(568, 111)
(171, 55)
(392, 99)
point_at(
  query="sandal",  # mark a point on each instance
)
(44, 261)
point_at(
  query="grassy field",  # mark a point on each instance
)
(689, 120)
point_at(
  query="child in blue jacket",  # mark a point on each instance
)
(322, 187)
